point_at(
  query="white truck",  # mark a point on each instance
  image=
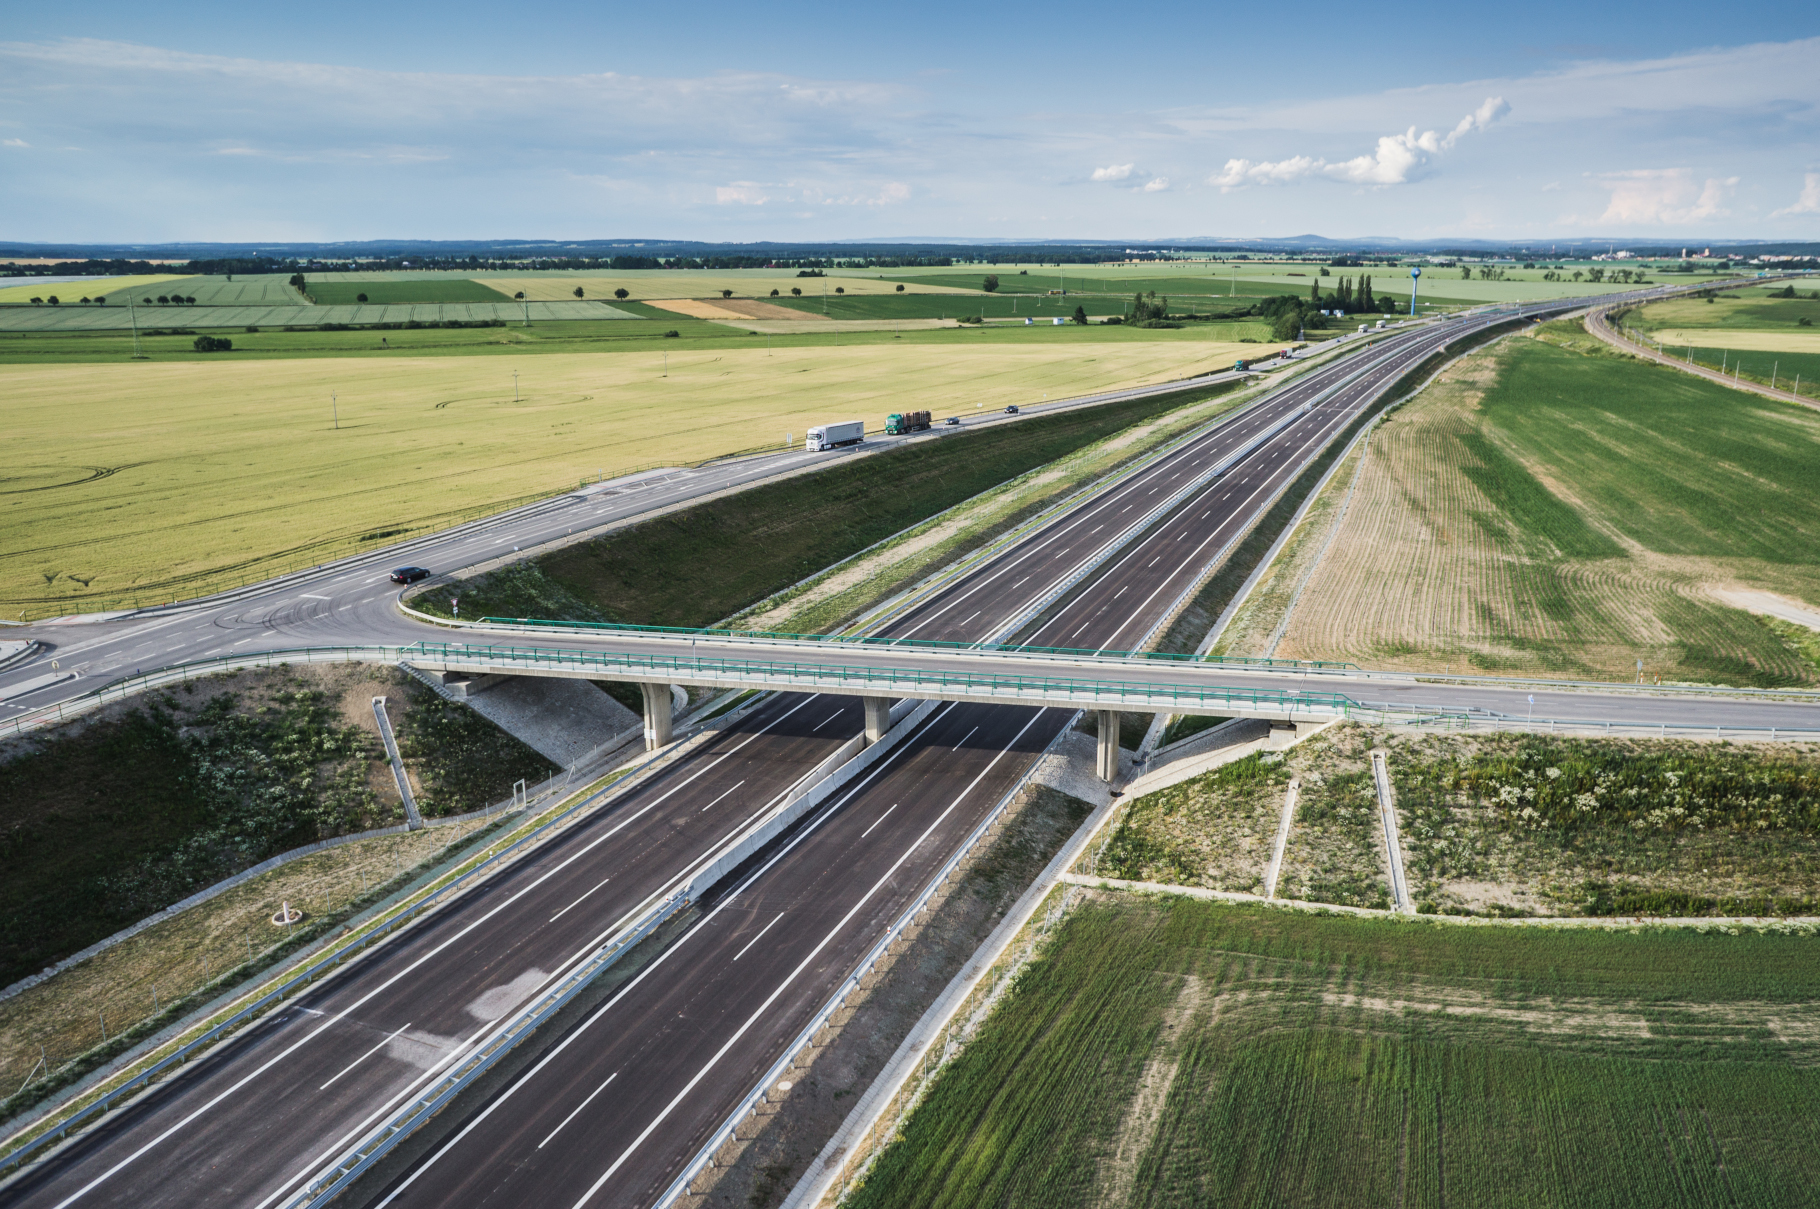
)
(828, 436)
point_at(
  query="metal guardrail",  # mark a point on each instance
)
(936, 644)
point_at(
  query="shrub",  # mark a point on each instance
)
(360, 298)
(796, 291)
(53, 300)
(622, 293)
(900, 287)
(671, 332)
(726, 293)
(251, 328)
(840, 289)
(212, 344)
(578, 291)
(773, 293)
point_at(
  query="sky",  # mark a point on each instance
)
(796, 122)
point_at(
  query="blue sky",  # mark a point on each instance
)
(820, 121)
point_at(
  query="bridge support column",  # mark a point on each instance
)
(659, 707)
(1108, 766)
(878, 718)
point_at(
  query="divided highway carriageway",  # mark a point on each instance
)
(621, 1096)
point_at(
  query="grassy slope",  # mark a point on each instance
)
(115, 820)
(1578, 1068)
(1548, 509)
(197, 475)
(707, 562)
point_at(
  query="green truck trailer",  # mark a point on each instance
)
(906, 421)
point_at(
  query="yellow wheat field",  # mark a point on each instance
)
(165, 478)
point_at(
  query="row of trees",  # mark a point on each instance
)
(1350, 298)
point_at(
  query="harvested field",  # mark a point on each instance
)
(1539, 510)
(173, 492)
(1303, 1060)
(730, 308)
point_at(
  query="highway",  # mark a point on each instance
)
(310, 1077)
(614, 1111)
(248, 1123)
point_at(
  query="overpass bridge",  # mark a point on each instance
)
(883, 671)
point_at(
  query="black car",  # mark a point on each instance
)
(1011, 411)
(951, 420)
(409, 575)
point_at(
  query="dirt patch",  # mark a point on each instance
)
(754, 309)
(1118, 1170)
(702, 308)
(760, 1167)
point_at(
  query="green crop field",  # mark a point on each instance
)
(1165, 1052)
(1550, 510)
(438, 290)
(1759, 334)
(198, 474)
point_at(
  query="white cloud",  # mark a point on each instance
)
(1398, 156)
(1658, 196)
(14, 143)
(1114, 172)
(741, 193)
(1807, 203)
(1157, 185)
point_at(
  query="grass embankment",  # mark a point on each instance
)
(1173, 1052)
(51, 1033)
(1500, 825)
(194, 477)
(114, 818)
(1547, 510)
(704, 563)
(1770, 336)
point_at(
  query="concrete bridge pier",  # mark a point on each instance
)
(659, 707)
(878, 718)
(1108, 764)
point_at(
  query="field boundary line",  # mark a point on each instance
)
(1703, 922)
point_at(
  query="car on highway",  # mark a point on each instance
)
(1012, 410)
(951, 421)
(409, 575)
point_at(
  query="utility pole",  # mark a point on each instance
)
(514, 386)
(133, 314)
(336, 404)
